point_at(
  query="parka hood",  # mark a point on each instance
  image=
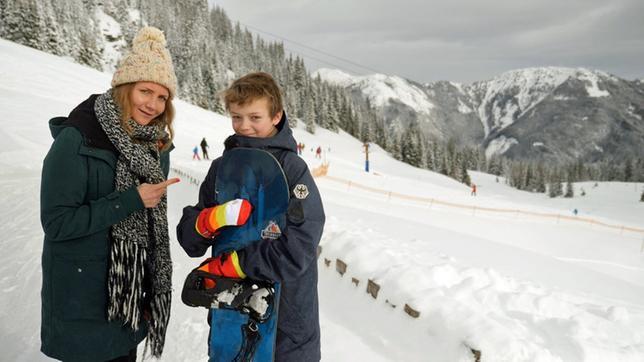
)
(83, 118)
(283, 140)
(79, 116)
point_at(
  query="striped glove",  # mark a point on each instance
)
(225, 265)
(231, 213)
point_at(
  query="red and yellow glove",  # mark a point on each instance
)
(231, 213)
(225, 265)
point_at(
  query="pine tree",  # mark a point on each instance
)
(465, 177)
(394, 143)
(569, 190)
(309, 112)
(410, 146)
(429, 156)
(628, 171)
(555, 187)
(22, 22)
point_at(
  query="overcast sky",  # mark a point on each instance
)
(457, 40)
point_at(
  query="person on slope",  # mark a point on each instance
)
(204, 148)
(106, 266)
(259, 121)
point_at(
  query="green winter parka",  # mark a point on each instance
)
(78, 205)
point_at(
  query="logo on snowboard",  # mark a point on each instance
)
(272, 231)
(301, 191)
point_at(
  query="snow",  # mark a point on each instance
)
(631, 111)
(458, 86)
(592, 80)
(463, 108)
(134, 15)
(335, 76)
(538, 144)
(380, 88)
(499, 145)
(529, 86)
(514, 285)
(110, 29)
(560, 97)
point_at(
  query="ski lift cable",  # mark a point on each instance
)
(313, 49)
(304, 55)
(370, 69)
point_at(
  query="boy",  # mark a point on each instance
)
(258, 119)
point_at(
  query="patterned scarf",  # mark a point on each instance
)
(140, 251)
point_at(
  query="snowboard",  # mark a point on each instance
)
(254, 175)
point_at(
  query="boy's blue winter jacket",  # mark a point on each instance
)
(290, 259)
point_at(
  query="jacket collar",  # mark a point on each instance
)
(283, 140)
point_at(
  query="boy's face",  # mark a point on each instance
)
(253, 119)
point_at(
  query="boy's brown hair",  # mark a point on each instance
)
(251, 87)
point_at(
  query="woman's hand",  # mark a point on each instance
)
(151, 193)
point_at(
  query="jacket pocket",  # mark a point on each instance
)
(104, 179)
(291, 322)
(79, 286)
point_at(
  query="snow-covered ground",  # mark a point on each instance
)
(514, 286)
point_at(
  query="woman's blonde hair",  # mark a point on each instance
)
(121, 96)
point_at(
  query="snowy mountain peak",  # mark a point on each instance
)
(515, 110)
(510, 95)
(514, 92)
(381, 89)
(335, 76)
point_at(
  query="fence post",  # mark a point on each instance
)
(372, 288)
(411, 311)
(340, 267)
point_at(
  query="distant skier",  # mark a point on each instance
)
(473, 190)
(575, 211)
(204, 148)
(318, 152)
(195, 153)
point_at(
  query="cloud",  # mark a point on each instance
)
(460, 40)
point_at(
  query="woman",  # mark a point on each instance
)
(106, 259)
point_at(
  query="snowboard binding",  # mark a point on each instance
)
(203, 289)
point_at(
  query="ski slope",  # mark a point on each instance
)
(515, 287)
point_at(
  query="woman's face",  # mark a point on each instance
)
(148, 101)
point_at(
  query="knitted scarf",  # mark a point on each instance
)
(140, 251)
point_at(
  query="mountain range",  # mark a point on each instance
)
(548, 113)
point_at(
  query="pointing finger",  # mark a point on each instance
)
(168, 182)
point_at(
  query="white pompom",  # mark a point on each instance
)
(149, 33)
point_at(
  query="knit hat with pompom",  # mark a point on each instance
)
(148, 61)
